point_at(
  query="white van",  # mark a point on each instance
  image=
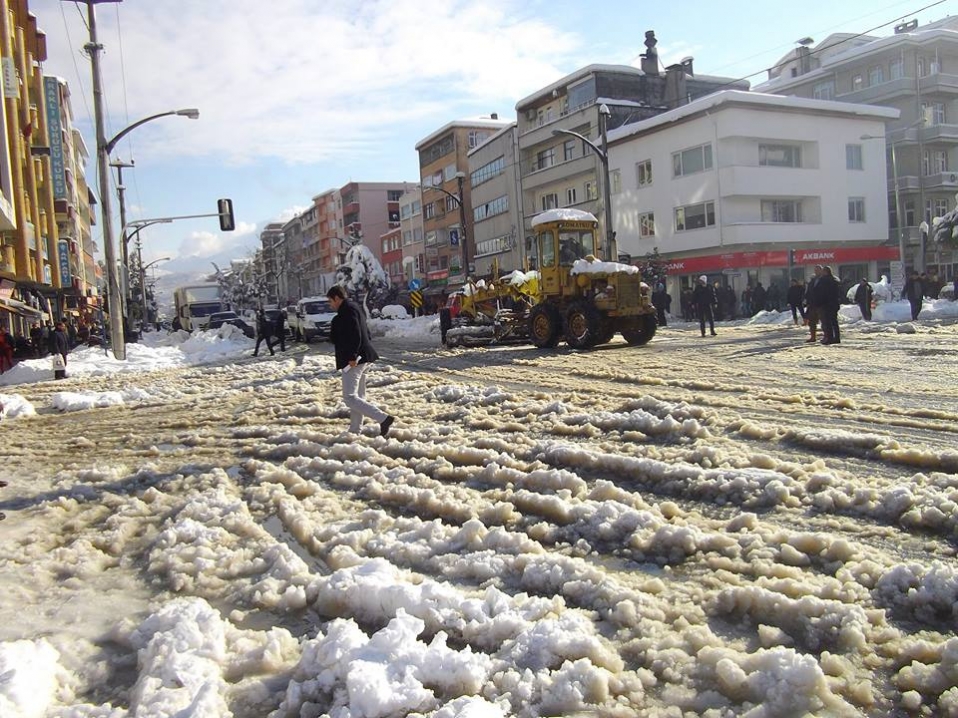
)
(310, 317)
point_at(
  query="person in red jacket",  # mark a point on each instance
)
(6, 350)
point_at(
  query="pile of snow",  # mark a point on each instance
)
(13, 405)
(394, 311)
(584, 266)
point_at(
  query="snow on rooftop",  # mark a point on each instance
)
(562, 214)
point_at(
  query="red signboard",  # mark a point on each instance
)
(779, 258)
(440, 274)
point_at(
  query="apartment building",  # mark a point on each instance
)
(746, 188)
(390, 245)
(42, 274)
(274, 260)
(447, 202)
(410, 223)
(914, 70)
(497, 235)
(290, 283)
(557, 167)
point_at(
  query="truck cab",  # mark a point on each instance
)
(310, 317)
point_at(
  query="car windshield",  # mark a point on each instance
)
(223, 316)
(200, 310)
(317, 308)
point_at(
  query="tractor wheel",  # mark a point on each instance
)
(640, 330)
(544, 326)
(606, 331)
(583, 325)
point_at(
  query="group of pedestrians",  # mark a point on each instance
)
(54, 341)
(823, 299)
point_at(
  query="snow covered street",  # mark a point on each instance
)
(740, 525)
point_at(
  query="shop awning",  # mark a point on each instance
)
(18, 307)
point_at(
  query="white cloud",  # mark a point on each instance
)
(203, 244)
(304, 81)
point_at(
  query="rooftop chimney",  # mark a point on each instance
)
(650, 59)
(494, 115)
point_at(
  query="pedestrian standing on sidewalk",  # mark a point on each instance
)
(830, 294)
(913, 291)
(6, 349)
(279, 330)
(354, 352)
(703, 298)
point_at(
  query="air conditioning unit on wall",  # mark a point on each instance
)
(953, 177)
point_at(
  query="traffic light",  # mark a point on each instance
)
(225, 209)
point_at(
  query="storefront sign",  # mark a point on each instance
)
(51, 87)
(63, 249)
(439, 274)
(779, 258)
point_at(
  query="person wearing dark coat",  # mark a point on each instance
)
(829, 291)
(662, 303)
(264, 331)
(60, 345)
(813, 310)
(758, 299)
(354, 353)
(863, 298)
(913, 291)
(279, 330)
(795, 298)
(703, 297)
(36, 339)
(730, 301)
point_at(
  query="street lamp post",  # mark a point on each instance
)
(899, 218)
(603, 153)
(144, 319)
(460, 178)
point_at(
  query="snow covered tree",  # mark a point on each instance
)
(362, 274)
(652, 267)
(243, 287)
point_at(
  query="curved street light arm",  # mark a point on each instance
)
(595, 147)
(447, 193)
(109, 145)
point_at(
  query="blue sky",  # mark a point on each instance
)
(299, 96)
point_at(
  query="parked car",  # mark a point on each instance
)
(311, 317)
(218, 319)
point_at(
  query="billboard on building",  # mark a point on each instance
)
(63, 251)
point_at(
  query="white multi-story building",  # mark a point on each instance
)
(410, 222)
(727, 185)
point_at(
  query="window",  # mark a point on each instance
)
(876, 76)
(545, 158)
(856, 209)
(568, 150)
(922, 67)
(615, 181)
(647, 224)
(499, 205)
(407, 237)
(941, 207)
(643, 171)
(547, 249)
(405, 212)
(694, 216)
(476, 138)
(909, 213)
(393, 195)
(779, 156)
(896, 69)
(933, 113)
(926, 163)
(940, 158)
(429, 211)
(549, 201)
(853, 157)
(781, 210)
(857, 83)
(570, 197)
(488, 171)
(416, 207)
(591, 191)
(432, 239)
(695, 159)
(448, 172)
(417, 234)
(493, 246)
(452, 204)
(824, 90)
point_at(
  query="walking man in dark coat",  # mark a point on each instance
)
(863, 298)
(354, 352)
(662, 303)
(264, 331)
(913, 291)
(279, 330)
(812, 307)
(758, 299)
(703, 298)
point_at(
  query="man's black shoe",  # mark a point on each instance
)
(385, 424)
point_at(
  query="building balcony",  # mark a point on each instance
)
(351, 208)
(560, 171)
(903, 86)
(541, 133)
(769, 182)
(947, 181)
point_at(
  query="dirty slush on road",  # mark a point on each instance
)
(670, 530)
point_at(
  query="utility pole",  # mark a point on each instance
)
(124, 251)
(103, 174)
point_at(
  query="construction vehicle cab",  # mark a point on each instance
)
(582, 299)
